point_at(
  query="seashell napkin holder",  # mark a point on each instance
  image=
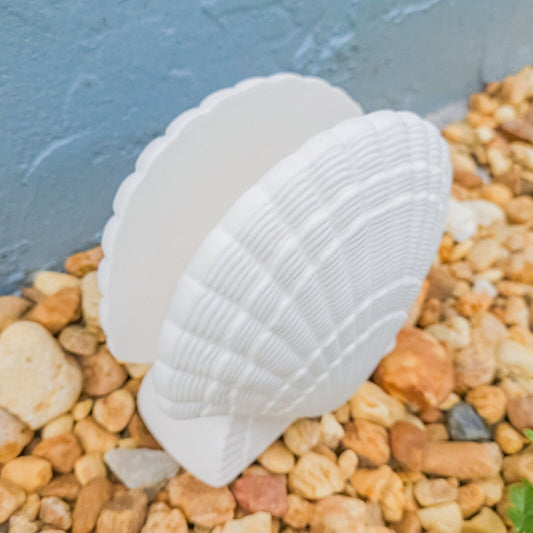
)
(263, 256)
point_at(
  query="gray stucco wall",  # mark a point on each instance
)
(85, 85)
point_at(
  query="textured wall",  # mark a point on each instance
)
(85, 85)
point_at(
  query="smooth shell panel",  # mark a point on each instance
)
(183, 184)
(292, 299)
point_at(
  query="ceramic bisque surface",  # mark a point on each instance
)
(290, 301)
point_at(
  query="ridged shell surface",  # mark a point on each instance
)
(292, 299)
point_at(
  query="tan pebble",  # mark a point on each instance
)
(483, 254)
(431, 312)
(315, 477)
(91, 297)
(277, 458)
(487, 520)
(449, 402)
(430, 415)
(437, 432)
(348, 462)
(255, 523)
(125, 513)
(84, 262)
(140, 434)
(331, 431)
(370, 483)
(93, 437)
(93, 496)
(521, 335)
(261, 493)
(483, 103)
(520, 412)
(114, 411)
(65, 487)
(433, 491)
(409, 523)
(61, 451)
(328, 453)
(470, 498)
(516, 312)
(499, 163)
(202, 504)
(127, 443)
(11, 498)
(82, 409)
(49, 282)
(57, 310)
(30, 508)
(56, 512)
(52, 382)
(14, 435)
(518, 467)
(372, 403)
(89, 466)
(509, 439)
(458, 132)
(418, 371)
(443, 518)
(29, 472)
(460, 250)
(32, 295)
(408, 443)
(516, 358)
(464, 460)
(522, 153)
(473, 303)
(57, 426)
(133, 386)
(392, 499)
(368, 440)
(462, 271)
(22, 524)
(78, 340)
(489, 401)
(474, 365)
(373, 514)
(171, 521)
(340, 514)
(302, 435)
(493, 488)
(11, 308)
(483, 134)
(299, 511)
(137, 370)
(102, 373)
(519, 210)
(504, 113)
(342, 414)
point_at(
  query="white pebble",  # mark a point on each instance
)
(484, 285)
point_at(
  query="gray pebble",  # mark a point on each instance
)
(465, 424)
(140, 467)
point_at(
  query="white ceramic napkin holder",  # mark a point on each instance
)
(263, 256)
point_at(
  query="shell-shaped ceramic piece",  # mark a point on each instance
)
(291, 299)
(183, 184)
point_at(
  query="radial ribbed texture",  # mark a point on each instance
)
(294, 296)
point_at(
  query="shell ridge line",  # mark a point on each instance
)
(408, 280)
(211, 287)
(205, 376)
(277, 258)
(290, 231)
(287, 295)
(362, 239)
